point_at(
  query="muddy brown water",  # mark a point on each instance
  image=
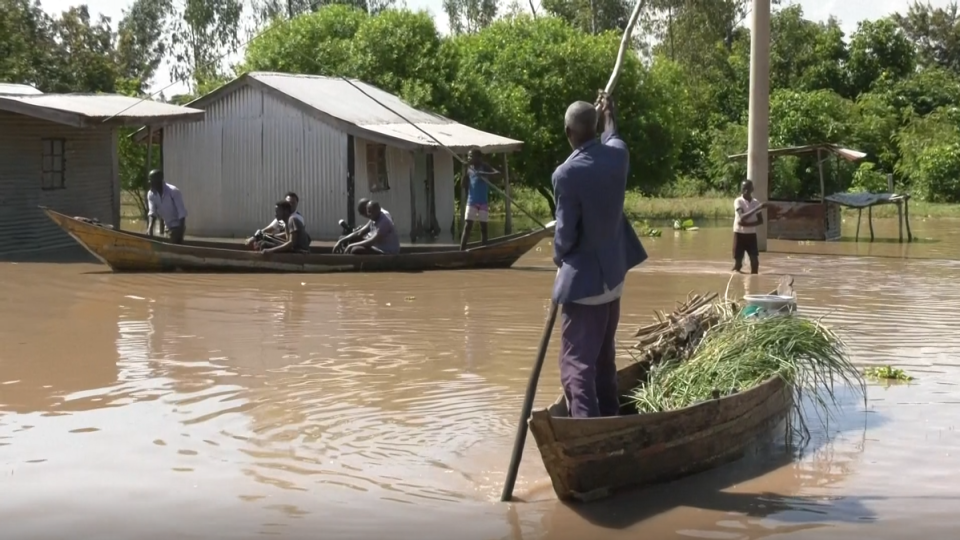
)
(384, 406)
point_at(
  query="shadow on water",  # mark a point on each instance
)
(787, 463)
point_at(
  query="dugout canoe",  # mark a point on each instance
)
(126, 251)
(590, 459)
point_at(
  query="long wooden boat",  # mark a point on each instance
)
(133, 252)
(589, 459)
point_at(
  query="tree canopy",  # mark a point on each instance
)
(890, 89)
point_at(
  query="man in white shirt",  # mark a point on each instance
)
(746, 218)
(166, 202)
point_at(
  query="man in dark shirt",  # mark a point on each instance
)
(382, 237)
(297, 239)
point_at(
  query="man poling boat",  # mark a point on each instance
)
(581, 361)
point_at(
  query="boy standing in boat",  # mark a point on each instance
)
(594, 247)
(478, 197)
(746, 218)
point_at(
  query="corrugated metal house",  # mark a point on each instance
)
(60, 150)
(268, 133)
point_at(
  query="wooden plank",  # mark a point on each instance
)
(508, 208)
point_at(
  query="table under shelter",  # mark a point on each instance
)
(868, 201)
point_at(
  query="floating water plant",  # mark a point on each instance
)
(887, 373)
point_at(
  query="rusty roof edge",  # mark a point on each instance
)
(27, 106)
(834, 148)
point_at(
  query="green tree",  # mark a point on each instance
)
(85, 59)
(468, 16)
(802, 118)
(517, 77)
(318, 44)
(140, 40)
(203, 32)
(805, 55)
(925, 91)
(27, 45)
(399, 51)
(935, 32)
(591, 16)
(930, 155)
(879, 50)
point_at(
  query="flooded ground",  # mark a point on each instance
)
(384, 406)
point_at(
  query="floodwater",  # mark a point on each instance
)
(384, 406)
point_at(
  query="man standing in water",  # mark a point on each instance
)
(747, 217)
(594, 247)
(166, 202)
(478, 197)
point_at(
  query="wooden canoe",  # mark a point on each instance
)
(133, 252)
(589, 459)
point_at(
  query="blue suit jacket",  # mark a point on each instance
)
(594, 244)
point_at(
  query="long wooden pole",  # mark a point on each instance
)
(521, 437)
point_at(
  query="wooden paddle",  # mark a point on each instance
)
(521, 437)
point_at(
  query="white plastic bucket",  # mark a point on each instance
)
(765, 305)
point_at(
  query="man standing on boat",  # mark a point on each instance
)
(166, 202)
(478, 197)
(594, 247)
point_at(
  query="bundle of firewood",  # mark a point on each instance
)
(676, 334)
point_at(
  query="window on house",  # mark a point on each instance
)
(53, 172)
(377, 167)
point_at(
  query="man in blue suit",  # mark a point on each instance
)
(594, 247)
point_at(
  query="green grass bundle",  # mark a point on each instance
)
(739, 353)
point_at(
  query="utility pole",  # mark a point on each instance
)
(759, 120)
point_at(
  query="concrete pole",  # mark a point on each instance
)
(759, 122)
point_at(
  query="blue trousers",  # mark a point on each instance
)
(588, 368)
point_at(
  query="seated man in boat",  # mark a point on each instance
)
(351, 236)
(296, 239)
(272, 234)
(381, 235)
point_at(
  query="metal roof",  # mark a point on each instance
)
(335, 101)
(845, 153)
(18, 89)
(85, 110)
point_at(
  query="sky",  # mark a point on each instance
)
(849, 13)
